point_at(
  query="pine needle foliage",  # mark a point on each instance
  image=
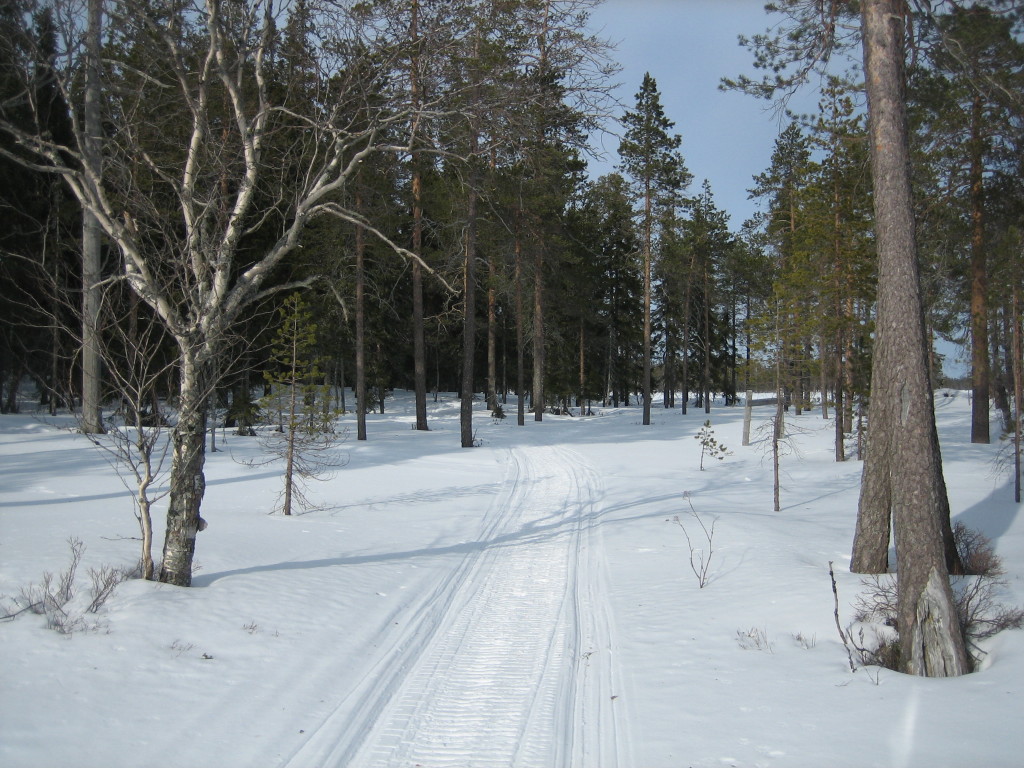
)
(306, 436)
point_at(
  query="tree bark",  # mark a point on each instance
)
(980, 369)
(419, 347)
(492, 332)
(520, 335)
(360, 339)
(902, 411)
(685, 383)
(469, 317)
(647, 306)
(706, 383)
(187, 480)
(1018, 390)
(538, 333)
(92, 364)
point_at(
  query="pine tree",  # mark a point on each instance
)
(615, 247)
(965, 125)
(784, 186)
(649, 156)
(708, 242)
(305, 416)
(903, 472)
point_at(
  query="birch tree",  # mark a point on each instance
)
(178, 199)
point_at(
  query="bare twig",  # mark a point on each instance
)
(700, 561)
(839, 626)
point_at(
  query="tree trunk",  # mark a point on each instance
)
(492, 332)
(647, 309)
(469, 318)
(706, 384)
(841, 425)
(187, 481)
(520, 334)
(980, 372)
(902, 412)
(777, 434)
(538, 333)
(419, 347)
(92, 365)
(1018, 390)
(360, 329)
(685, 382)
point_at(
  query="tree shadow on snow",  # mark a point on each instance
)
(994, 515)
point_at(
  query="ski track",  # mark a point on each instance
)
(509, 661)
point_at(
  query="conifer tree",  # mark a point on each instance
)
(965, 125)
(298, 395)
(650, 158)
(615, 247)
(707, 243)
(903, 471)
(784, 187)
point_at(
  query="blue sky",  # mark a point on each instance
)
(688, 46)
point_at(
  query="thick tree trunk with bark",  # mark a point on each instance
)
(187, 481)
(903, 457)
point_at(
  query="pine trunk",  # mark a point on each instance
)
(1018, 390)
(538, 334)
(980, 371)
(468, 320)
(902, 419)
(492, 333)
(520, 334)
(360, 339)
(419, 347)
(647, 309)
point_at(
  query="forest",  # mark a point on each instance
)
(225, 213)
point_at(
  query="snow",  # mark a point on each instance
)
(529, 602)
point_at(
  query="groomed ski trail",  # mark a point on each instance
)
(509, 662)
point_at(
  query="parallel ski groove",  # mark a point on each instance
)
(509, 661)
(334, 742)
(490, 684)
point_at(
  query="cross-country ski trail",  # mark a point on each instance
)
(509, 661)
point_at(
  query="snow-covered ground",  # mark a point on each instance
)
(526, 603)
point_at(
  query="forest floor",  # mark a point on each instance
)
(530, 602)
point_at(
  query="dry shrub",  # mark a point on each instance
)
(54, 596)
(980, 613)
